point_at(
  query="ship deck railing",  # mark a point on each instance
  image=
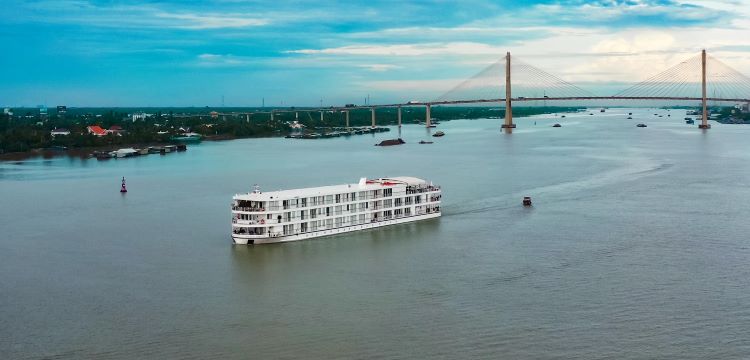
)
(248, 209)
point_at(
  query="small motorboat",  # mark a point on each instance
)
(557, 125)
(425, 142)
(630, 113)
(562, 116)
(689, 121)
(641, 125)
(630, 118)
(527, 201)
(438, 134)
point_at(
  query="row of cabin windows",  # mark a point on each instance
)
(342, 221)
(348, 208)
(331, 199)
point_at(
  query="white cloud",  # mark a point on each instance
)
(379, 67)
(219, 60)
(450, 48)
(139, 16)
(413, 85)
(212, 21)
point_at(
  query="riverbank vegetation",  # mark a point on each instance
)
(28, 129)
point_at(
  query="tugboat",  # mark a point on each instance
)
(123, 189)
(438, 134)
(527, 201)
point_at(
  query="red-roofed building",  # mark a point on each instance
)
(115, 129)
(96, 130)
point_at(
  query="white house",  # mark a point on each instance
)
(59, 131)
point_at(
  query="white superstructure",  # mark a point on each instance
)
(289, 215)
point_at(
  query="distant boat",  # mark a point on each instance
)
(562, 116)
(438, 134)
(630, 113)
(641, 125)
(391, 142)
(557, 125)
(602, 110)
(630, 117)
(191, 136)
(126, 152)
(689, 121)
(425, 142)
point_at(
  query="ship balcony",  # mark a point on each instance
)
(251, 233)
(422, 190)
(248, 222)
(248, 209)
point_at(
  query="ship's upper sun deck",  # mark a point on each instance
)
(363, 185)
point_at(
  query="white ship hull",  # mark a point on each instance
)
(246, 240)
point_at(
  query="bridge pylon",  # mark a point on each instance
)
(428, 116)
(508, 106)
(704, 121)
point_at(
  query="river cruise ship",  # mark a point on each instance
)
(289, 215)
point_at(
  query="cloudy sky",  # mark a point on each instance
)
(193, 53)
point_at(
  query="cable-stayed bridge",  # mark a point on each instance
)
(701, 78)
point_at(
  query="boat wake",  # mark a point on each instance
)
(577, 189)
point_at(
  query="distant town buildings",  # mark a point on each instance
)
(60, 131)
(42, 112)
(139, 116)
(8, 111)
(61, 110)
(96, 130)
(115, 129)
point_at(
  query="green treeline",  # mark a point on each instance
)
(27, 129)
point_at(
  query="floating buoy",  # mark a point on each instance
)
(123, 189)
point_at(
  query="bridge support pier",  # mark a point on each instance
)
(321, 116)
(372, 115)
(704, 121)
(271, 115)
(508, 94)
(247, 117)
(428, 116)
(347, 118)
(399, 116)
